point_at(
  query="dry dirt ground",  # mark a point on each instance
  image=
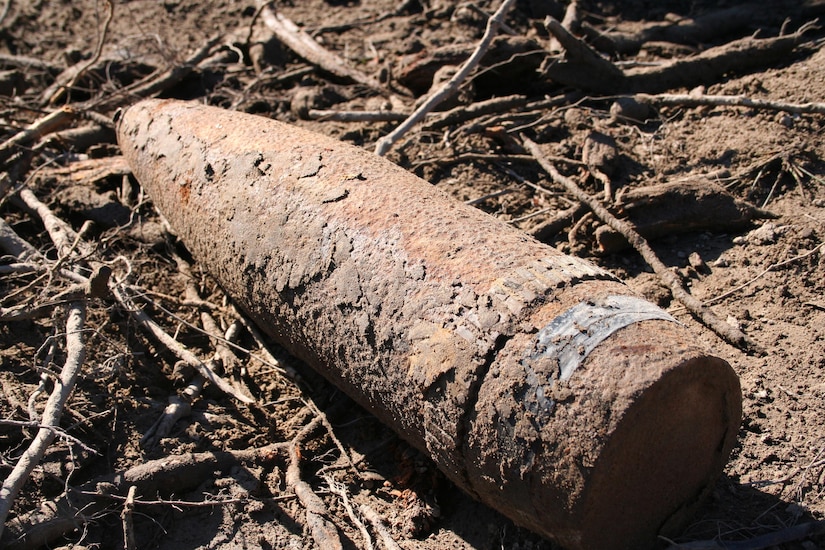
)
(763, 271)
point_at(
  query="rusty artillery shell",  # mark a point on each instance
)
(537, 382)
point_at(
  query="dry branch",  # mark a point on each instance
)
(720, 327)
(702, 29)
(687, 100)
(775, 539)
(155, 83)
(740, 56)
(66, 81)
(551, 227)
(355, 116)
(147, 324)
(12, 244)
(307, 48)
(587, 70)
(64, 385)
(339, 489)
(583, 67)
(772, 267)
(380, 527)
(225, 357)
(65, 238)
(59, 432)
(168, 475)
(464, 113)
(128, 522)
(678, 207)
(49, 123)
(451, 86)
(323, 531)
(269, 358)
(570, 22)
(77, 139)
(25, 62)
(180, 406)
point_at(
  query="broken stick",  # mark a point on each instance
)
(146, 323)
(323, 531)
(688, 100)
(167, 475)
(307, 48)
(64, 385)
(451, 86)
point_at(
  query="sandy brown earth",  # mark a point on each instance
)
(761, 269)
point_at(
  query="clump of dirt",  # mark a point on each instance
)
(764, 273)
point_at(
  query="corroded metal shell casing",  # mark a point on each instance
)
(537, 382)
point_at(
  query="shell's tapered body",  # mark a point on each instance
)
(537, 382)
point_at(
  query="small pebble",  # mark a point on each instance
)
(628, 109)
(785, 120)
(696, 261)
(766, 234)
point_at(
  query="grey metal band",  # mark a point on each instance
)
(571, 336)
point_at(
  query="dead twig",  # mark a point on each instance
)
(770, 540)
(128, 524)
(25, 62)
(180, 406)
(686, 30)
(355, 116)
(51, 122)
(380, 527)
(492, 195)
(64, 385)
(583, 67)
(146, 323)
(451, 86)
(687, 100)
(570, 22)
(720, 327)
(55, 93)
(464, 113)
(554, 225)
(740, 55)
(323, 531)
(177, 503)
(319, 414)
(772, 267)
(58, 431)
(168, 475)
(307, 48)
(224, 354)
(156, 82)
(64, 237)
(339, 489)
(6, 8)
(12, 244)
(464, 158)
(269, 359)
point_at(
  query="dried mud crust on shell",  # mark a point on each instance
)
(418, 351)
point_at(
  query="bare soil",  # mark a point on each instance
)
(764, 273)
